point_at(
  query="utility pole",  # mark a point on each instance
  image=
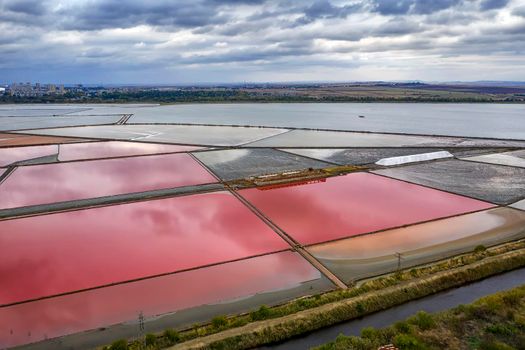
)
(399, 257)
(141, 323)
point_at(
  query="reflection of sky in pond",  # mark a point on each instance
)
(102, 307)
(86, 248)
(459, 119)
(48, 183)
(354, 204)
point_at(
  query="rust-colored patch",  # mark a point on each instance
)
(7, 140)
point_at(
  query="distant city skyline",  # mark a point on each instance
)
(45, 84)
(235, 41)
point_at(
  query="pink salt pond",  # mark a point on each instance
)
(50, 183)
(53, 317)
(354, 204)
(63, 252)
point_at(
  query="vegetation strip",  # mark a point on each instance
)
(260, 333)
(268, 325)
(288, 93)
(494, 322)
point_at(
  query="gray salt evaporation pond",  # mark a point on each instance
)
(362, 156)
(519, 205)
(24, 123)
(494, 183)
(36, 111)
(183, 134)
(243, 163)
(84, 109)
(515, 158)
(338, 139)
(357, 156)
(309, 138)
(476, 120)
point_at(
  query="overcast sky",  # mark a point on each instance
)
(193, 41)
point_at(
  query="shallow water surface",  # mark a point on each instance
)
(353, 204)
(229, 286)
(62, 252)
(455, 119)
(49, 183)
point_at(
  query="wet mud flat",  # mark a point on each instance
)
(383, 252)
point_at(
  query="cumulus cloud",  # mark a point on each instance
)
(237, 40)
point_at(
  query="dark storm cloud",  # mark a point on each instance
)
(398, 7)
(431, 6)
(323, 9)
(392, 7)
(23, 12)
(29, 7)
(493, 4)
(119, 14)
(118, 36)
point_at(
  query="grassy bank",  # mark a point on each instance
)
(495, 322)
(268, 325)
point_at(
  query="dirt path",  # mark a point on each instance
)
(261, 326)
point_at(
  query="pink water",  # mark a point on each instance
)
(49, 183)
(62, 252)
(357, 203)
(102, 307)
